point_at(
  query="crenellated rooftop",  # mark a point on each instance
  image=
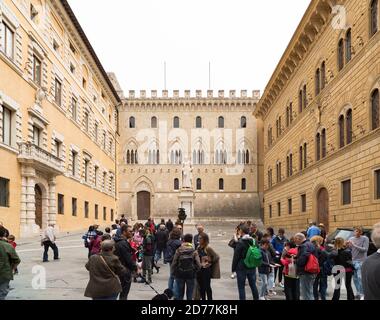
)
(197, 94)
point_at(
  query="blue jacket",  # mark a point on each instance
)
(313, 231)
(304, 251)
(279, 244)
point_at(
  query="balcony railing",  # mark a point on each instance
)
(38, 157)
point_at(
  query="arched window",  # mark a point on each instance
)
(221, 184)
(374, 24)
(158, 157)
(301, 158)
(318, 145)
(136, 157)
(270, 137)
(270, 181)
(176, 122)
(153, 122)
(243, 122)
(323, 75)
(128, 157)
(287, 116)
(341, 131)
(289, 165)
(305, 155)
(349, 126)
(300, 102)
(220, 122)
(317, 82)
(132, 122)
(244, 184)
(304, 92)
(132, 157)
(199, 184)
(176, 184)
(198, 122)
(323, 142)
(375, 109)
(340, 54)
(247, 157)
(348, 45)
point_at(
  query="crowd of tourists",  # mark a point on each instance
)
(303, 266)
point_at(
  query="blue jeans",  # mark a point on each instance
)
(271, 280)
(241, 276)
(264, 284)
(307, 286)
(358, 277)
(320, 287)
(159, 253)
(180, 288)
(4, 289)
(47, 245)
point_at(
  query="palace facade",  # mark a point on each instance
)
(320, 113)
(58, 122)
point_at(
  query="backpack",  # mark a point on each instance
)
(312, 265)
(253, 258)
(328, 266)
(186, 268)
(170, 251)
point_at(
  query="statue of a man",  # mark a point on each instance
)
(187, 175)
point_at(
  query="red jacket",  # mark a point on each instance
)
(95, 245)
(287, 260)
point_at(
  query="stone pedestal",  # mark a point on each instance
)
(186, 201)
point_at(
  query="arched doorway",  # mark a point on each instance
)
(143, 205)
(38, 205)
(323, 207)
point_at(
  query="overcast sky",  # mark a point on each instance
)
(243, 39)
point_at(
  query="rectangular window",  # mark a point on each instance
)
(86, 121)
(7, 126)
(96, 129)
(112, 215)
(96, 176)
(58, 147)
(104, 180)
(7, 40)
(290, 206)
(303, 203)
(58, 92)
(74, 207)
(346, 192)
(86, 209)
(86, 163)
(37, 70)
(74, 107)
(270, 211)
(36, 136)
(4, 192)
(104, 141)
(377, 184)
(104, 213)
(61, 204)
(73, 163)
(72, 48)
(279, 209)
(96, 212)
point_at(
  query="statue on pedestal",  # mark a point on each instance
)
(187, 175)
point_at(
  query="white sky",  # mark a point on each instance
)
(243, 39)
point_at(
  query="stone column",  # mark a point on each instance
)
(30, 198)
(24, 181)
(52, 201)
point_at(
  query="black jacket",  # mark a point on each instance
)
(171, 248)
(304, 251)
(240, 253)
(169, 226)
(124, 251)
(342, 257)
(265, 265)
(162, 237)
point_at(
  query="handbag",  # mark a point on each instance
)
(292, 269)
(113, 273)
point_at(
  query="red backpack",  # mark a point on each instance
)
(312, 265)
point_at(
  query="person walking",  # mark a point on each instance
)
(210, 266)
(148, 254)
(124, 252)
(9, 260)
(291, 280)
(265, 268)
(278, 243)
(320, 283)
(306, 253)
(185, 265)
(238, 265)
(48, 241)
(342, 256)
(370, 269)
(162, 237)
(173, 244)
(359, 245)
(105, 269)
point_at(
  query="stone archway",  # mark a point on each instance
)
(323, 207)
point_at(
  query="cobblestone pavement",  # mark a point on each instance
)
(67, 278)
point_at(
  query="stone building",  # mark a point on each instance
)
(320, 114)
(217, 134)
(58, 122)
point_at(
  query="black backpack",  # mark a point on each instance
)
(186, 267)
